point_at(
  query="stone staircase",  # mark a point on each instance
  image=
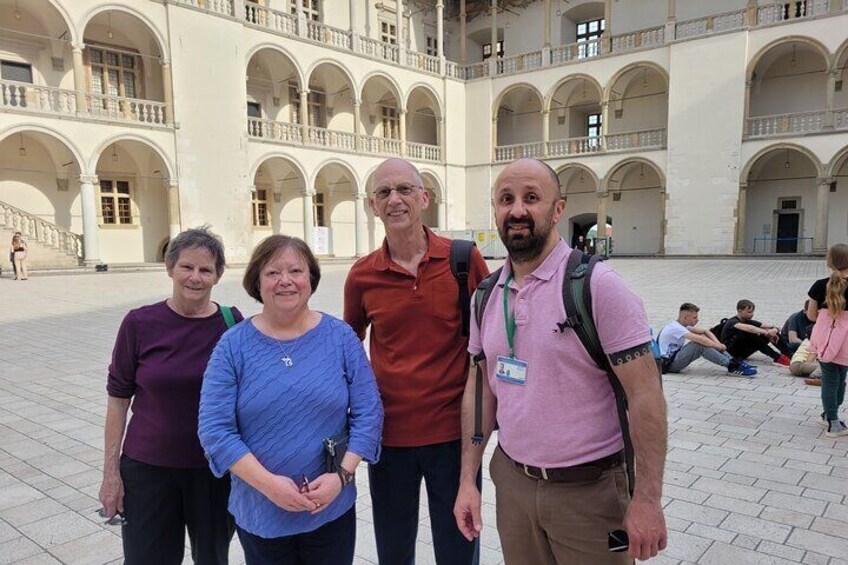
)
(50, 246)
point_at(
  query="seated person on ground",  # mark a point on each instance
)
(804, 361)
(743, 335)
(682, 341)
(797, 328)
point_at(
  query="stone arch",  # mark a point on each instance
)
(282, 51)
(835, 164)
(500, 97)
(337, 65)
(70, 145)
(433, 96)
(279, 154)
(746, 170)
(632, 66)
(813, 43)
(92, 163)
(579, 186)
(334, 161)
(162, 43)
(394, 86)
(638, 222)
(576, 76)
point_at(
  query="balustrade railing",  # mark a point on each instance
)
(798, 9)
(474, 70)
(274, 20)
(782, 124)
(328, 35)
(275, 131)
(380, 145)
(422, 62)
(519, 63)
(126, 109)
(423, 151)
(646, 139)
(718, 23)
(840, 119)
(224, 7)
(574, 146)
(379, 49)
(33, 98)
(33, 228)
(652, 37)
(331, 138)
(512, 152)
(577, 51)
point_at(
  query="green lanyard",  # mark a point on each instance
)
(509, 319)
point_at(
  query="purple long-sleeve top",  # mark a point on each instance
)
(158, 361)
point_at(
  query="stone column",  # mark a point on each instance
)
(751, 11)
(90, 220)
(361, 221)
(442, 214)
(402, 123)
(739, 244)
(671, 21)
(399, 24)
(168, 87)
(172, 187)
(663, 221)
(604, 123)
(493, 60)
(440, 28)
(357, 125)
(547, 32)
(301, 19)
(304, 112)
(308, 219)
(602, 214)
(494, 139)
(822, 206)
(79, 79)
(354, 32)
(606, 38)
(746, 126)
(546, 131)
(831, 94)
(442, 143)
(463, 43)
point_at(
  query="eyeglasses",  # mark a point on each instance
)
(383, 192)
(116, 520)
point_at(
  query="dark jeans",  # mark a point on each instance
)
(331, 544)
(745, 344)
(395, 486)
(160, 503)
(832, 388)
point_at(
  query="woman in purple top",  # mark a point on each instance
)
(276, 387)
(158, 483)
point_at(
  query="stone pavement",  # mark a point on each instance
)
(750, 476)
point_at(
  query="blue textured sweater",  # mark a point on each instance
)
(252, 403)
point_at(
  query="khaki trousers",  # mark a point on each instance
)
(803, 368)
(546, 523)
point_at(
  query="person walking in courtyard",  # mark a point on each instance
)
(156, 480)
(829, 341)
(406, 292)
(18, 256)
(561, 484)
(683, 341)
(743, 335)
(278, 390)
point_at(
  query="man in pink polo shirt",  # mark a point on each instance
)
(555, 407)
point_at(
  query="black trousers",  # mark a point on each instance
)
(745, 344)
(160, 503)
(395, 488)
(331, 544)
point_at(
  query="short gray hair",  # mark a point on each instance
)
(196, 237)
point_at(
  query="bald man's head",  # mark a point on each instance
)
(526, 166)
(398, 166)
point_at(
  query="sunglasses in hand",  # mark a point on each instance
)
(116, 520)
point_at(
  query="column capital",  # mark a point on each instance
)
(165, 62)
(88, 179)
(824, 180)
(743, 186)
(77, 47)
(603, 193)
(359, 196)
(172, 184)
(308, 192)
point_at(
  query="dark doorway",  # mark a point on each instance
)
(787, 233)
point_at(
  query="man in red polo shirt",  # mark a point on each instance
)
(407, 293)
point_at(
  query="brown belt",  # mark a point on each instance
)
(578, 473)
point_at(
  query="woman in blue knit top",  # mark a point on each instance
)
(277, 385)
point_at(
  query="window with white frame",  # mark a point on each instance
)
(311, 9)
(17, 72)
(432, 46)
(390, 122)
(260, 207)
(487, 50)
(294, 103)
(318, 210)
(593, 129)
(388, 32)
(115, 202)
(114, 73)
(587, 34)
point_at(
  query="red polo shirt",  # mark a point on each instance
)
(419, 355)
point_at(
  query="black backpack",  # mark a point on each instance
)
(460, 264)
(718, 328)
(577, 299)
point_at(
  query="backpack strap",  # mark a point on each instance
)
(227, 312)
(481, 298)
(577, 299)
(460, 263)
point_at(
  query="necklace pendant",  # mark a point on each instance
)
(287, 361)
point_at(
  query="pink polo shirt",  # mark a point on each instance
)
(565, 414)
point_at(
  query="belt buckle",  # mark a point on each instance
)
(532, 476)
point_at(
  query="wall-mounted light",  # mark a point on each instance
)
(22, 149)
(787, 164)
(642, 172)
(16, 13)
(114, 154)
(109, 33)
(645, 78)
(793, 62)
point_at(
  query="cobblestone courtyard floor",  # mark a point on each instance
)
(750, 476)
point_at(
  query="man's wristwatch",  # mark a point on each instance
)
(346, 477)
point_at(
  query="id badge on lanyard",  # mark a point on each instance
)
(509, 369)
